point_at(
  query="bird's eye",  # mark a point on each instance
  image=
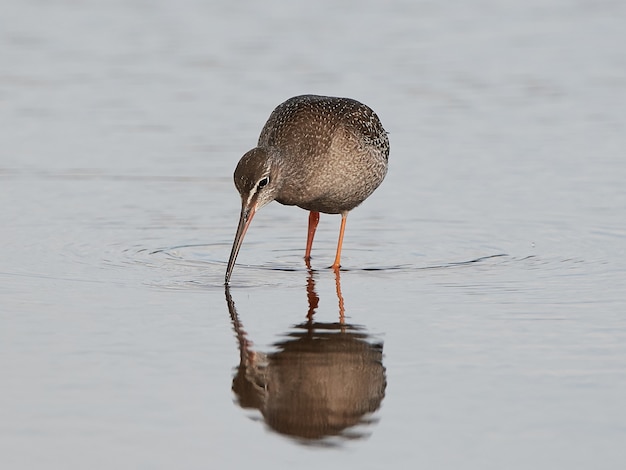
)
(263, 182)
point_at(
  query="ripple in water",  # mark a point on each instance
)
(195, 266)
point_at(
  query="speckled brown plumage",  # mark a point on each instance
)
(320, 153)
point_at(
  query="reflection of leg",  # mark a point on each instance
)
(339, 297)
(314, 218)
(312, 296)
(336, 265)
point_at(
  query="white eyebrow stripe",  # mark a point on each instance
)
(255, 190)
(251, 195)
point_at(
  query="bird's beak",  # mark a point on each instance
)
(247, 212)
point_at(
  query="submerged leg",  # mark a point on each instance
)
(314, 218)
(336, 265)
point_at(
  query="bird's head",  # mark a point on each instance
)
(257, 177)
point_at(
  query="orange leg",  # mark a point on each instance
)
(314, 218)
(336, 265)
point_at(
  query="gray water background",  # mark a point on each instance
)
(491, 263)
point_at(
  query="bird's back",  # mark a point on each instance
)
(306, 124)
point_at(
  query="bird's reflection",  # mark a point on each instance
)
(324, 378)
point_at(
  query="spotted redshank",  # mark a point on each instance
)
(320, 153)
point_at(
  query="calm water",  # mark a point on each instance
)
(480, 318)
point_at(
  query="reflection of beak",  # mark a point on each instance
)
(247, 212)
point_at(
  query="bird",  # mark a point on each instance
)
(323, 154)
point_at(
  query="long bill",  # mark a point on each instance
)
(247, 212)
